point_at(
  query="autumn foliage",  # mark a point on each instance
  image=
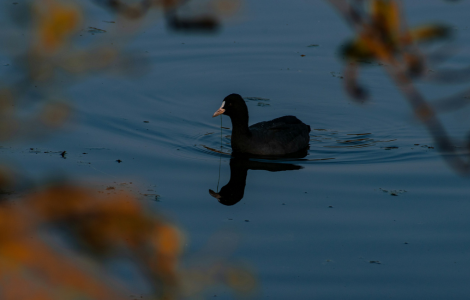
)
(57, 243)
(383, 37)
(34, 268)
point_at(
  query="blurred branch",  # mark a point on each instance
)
(99, 230)
(55, 54)
(58, 242)
(383, 35)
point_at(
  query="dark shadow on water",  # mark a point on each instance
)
(296, 155)
(234, 190)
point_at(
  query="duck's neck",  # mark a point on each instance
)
(240, 126)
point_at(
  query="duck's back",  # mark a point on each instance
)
(281, 136)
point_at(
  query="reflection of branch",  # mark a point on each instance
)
(170, 8)
(135, 11)
(205, 23)
(383, 36)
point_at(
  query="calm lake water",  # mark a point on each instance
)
(372, 212)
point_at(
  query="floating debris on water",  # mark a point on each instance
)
(313, 45)
(256, 99)
(34, 150)
(393, 192)
(94, 30)
(337, 75)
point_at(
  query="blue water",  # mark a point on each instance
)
(373, 213)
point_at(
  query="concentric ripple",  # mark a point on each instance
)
(326, 146)
(207, 145)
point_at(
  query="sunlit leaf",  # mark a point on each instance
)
(385, 15)
(430, 32)
(56, 21)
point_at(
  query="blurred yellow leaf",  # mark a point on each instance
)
(56, 21)
(382, 38)
(429, 32)
(386, 16)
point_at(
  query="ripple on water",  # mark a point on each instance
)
(206, 146)
(326, 146)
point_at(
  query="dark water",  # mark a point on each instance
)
(371, 212)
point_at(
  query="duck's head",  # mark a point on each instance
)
(232, 105)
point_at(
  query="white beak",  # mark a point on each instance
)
(220, 111)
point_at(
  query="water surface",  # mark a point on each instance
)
(371, 212)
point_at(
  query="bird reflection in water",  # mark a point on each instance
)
(234, 190)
